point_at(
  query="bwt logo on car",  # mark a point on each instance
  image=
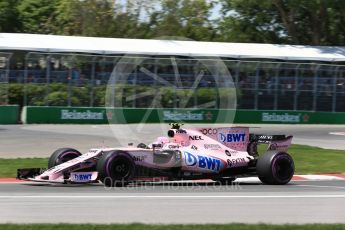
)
(82, 177)
(202, 161)
(231, 137)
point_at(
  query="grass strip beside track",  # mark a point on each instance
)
(169, 227)
(8, 167)
(308, 160)
(314, 160)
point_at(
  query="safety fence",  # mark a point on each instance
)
(51, 79)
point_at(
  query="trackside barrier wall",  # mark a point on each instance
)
(9, 114)
(91, 115)
(288, 117)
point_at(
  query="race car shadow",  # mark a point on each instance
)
(192, 183)
(61, 185)
(147, 184)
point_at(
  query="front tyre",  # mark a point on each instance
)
(62, 155)
(275, 168)
(115, 168)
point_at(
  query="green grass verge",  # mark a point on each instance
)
(170, 227)
(8, 167)
(314, 160)
(308, 160)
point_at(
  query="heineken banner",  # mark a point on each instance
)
(61, 115)
(9, 114)
(288, 117)
(88, 115)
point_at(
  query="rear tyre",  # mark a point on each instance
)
(115, 168)
(275, 168)
(62, 155)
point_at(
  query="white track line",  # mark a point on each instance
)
(338, 133)
(171, 196)
(319, 186)
(321, 177)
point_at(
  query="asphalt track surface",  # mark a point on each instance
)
(42, 140)
(299, 202)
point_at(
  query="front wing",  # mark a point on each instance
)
(30, 174)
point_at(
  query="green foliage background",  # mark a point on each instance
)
(307, 22)
(56, 94)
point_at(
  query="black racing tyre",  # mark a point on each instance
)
(225, 180)
(115, 168)
(62, 155)
(252, 149)
(275, 168)
(142, 146)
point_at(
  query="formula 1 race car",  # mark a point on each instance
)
(220, 154)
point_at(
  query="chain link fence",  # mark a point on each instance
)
(80, 80)
(4, 76)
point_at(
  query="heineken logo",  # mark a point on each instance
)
(86, 115)
(182, 116)
(285, 117)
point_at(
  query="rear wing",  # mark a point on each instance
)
(275, 142)
(266, 139)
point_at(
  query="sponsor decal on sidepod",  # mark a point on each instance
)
(212, 146)
(203, 162)
(209, 131)
(195, 138)
(173, 146)
(236, 162)
(231, 137)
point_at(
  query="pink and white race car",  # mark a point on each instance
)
(220, 154)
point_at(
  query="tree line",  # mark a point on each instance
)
(304, 22)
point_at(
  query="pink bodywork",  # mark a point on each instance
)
(203, 150)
